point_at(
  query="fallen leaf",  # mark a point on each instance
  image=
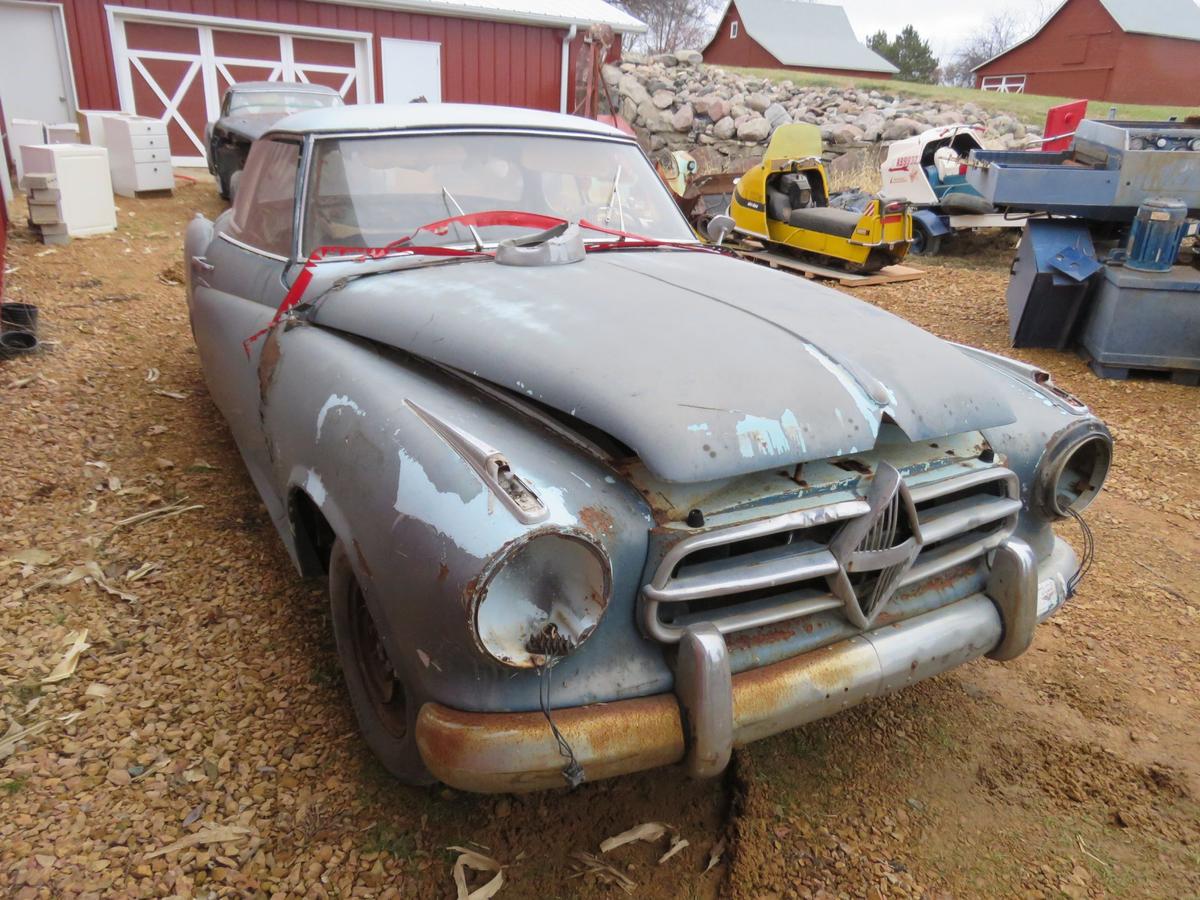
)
(70, 659)
(16, 734)
(471, 859)
(95, 689)
(32, 557)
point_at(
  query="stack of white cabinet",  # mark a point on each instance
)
(69, 190)
(139, 154)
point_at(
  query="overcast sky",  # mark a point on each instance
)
(944, 23)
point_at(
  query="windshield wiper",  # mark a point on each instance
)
(614, 196)
(448, 198)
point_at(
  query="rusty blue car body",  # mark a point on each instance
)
(598, 499)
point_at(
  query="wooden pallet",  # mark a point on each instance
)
(886, 275)
(1189, 377)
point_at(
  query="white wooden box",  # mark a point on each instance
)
(139, 154)
(85, 199)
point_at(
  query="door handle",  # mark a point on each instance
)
(200, 264)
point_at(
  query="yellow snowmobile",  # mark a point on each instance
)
(784, 200)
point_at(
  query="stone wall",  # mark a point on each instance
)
(675, 102)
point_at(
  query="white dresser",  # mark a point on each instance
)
(139, 154)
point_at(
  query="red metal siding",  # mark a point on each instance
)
(743, 50)
(1081, 52)
(482, 61)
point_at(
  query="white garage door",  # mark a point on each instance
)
(176, 67)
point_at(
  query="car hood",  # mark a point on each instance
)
(707, 366)
(251, 126)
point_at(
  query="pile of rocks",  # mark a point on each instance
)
(675, 102)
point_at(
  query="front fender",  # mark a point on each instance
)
(934, 224)
(422, 525)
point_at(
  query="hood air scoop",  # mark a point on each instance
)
(555, 246)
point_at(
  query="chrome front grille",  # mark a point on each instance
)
(852, 555)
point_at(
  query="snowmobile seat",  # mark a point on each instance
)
(823, 219)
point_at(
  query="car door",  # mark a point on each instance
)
(237, 285)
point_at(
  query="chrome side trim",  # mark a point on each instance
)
(244, 246)
(490, 465)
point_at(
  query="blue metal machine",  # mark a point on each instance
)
(1101, 273)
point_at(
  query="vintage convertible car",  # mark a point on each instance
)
(248, 109)
(591, 496)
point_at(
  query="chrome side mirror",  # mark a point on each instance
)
(718, 227)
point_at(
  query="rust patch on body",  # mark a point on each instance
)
(597, 520)
(267, 363)
(747, 640)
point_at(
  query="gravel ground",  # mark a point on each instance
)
(203, 743)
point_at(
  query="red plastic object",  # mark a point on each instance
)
(1061, 122)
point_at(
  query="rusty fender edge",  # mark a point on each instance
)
(501, 752)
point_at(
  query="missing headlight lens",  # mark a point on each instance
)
(542, 598)
(1073, 470)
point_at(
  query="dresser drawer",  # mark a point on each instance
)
(149, 141)
(152, 176)
(152, 155)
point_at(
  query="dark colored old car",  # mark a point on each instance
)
(248, 109)
(592, 497)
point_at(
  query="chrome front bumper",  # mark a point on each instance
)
(712, 711)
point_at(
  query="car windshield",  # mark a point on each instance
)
(371, 191)
(250, 102)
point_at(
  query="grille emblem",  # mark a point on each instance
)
(874, 551)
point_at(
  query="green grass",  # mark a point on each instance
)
(1029, 108)
(13, 786)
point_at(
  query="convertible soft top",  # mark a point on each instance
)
(399, 117)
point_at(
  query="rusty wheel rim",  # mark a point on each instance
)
(384, 689)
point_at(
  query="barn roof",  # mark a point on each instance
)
(560, 13)
(804, 33)
(1160, 18)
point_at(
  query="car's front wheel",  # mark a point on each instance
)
(384, 703)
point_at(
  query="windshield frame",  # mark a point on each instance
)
(235, 96)
(309, 153)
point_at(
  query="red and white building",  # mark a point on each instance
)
(1121, 51)
(173, 59)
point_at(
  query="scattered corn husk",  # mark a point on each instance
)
(472, 859)
(91, 571)
(30, 558)
(174, 395)
(162, 512)
(715, 854)
(95, 689)
(648, 832)
(142, 571)
(152, 375)
(593, 865)
(16, 734)
(70, 659)
(210, 834)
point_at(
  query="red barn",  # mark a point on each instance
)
(1123, 51)
(173, 59)
(791, 34)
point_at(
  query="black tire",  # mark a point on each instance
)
(383, 702)
(924, 243)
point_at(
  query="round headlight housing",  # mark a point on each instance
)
(1073, 469)
(542, 598)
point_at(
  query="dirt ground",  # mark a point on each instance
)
(208, 708)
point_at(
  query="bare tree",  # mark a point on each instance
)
(672, 24)
(998, 32)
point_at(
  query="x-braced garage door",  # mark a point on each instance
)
(176, 67)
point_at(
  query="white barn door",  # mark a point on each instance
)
(411, 69)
